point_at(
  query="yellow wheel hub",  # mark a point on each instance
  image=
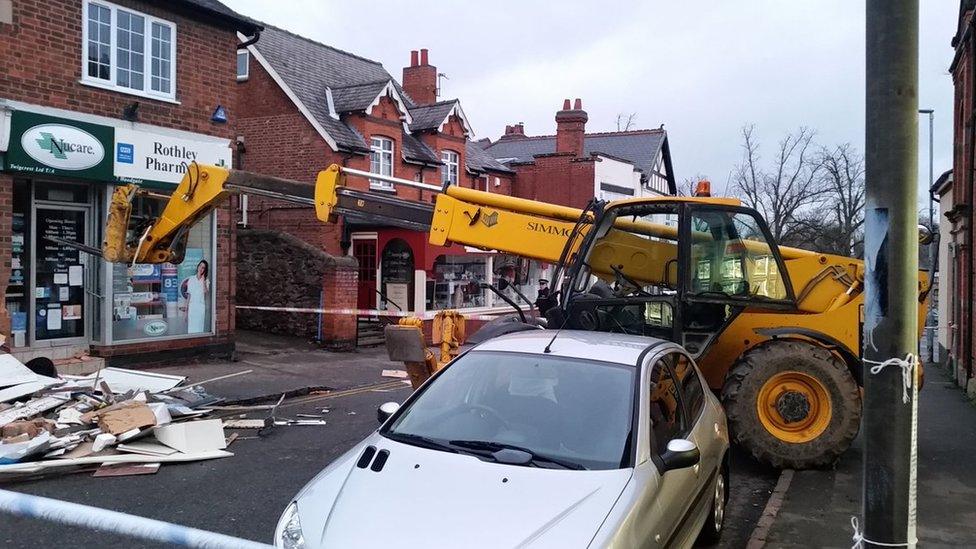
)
(794, 407)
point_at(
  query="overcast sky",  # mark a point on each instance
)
(703, 69)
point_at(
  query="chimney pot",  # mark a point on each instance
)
(423, 56)
(565, 104)
(578, 105)
(413, 58)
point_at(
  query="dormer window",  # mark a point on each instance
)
(381, 161)
(449, 172)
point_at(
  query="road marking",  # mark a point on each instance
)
(758, 538)
(347, 392)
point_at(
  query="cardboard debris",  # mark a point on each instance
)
(31, 428)
(122, 417)
(193, 436)
(126, 469)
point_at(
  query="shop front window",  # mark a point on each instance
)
(522, 280)
(165, 300)
(396, 266)
(457, 282)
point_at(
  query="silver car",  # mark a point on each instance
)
(529, 440)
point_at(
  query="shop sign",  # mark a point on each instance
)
(142, 157)
(155, 328)
(56, 146)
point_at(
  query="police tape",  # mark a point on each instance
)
(369, 312)
(37, 507)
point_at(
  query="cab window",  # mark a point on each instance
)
(664, 406)
(731, 258)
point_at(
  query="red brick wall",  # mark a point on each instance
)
(40, 56)
(557, 179)
(340, 285)
(964, 181)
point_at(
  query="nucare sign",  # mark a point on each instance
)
(62, 147)
(56, 146)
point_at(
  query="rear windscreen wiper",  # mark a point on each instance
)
(490, 447)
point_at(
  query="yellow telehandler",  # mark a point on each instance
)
(776, 330)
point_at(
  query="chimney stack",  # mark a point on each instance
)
(514, 131)
(571, 128)
(420, 78)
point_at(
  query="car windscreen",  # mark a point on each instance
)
(576, 411)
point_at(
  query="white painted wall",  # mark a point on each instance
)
(614, 172)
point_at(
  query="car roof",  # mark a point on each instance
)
(601, 346)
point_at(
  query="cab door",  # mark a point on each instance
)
(729, 262)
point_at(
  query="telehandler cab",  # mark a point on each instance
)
(776, 330)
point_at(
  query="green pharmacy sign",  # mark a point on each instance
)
(49, 145)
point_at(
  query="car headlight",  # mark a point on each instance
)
(288, 534)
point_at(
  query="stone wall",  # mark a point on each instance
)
(278, 270)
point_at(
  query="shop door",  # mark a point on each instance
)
(60, 308)
(364, 250)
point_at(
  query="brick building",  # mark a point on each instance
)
(573, 166)
(92, 94)
(958, 272)
(307, 105)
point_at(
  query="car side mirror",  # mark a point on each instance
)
(386, 410)
(680, 454)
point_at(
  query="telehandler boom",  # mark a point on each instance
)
(775, 330)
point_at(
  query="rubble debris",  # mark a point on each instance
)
(400, 374)
(113, 416)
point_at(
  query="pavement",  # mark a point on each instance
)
(818, 505)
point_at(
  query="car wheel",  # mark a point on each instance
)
(712, 530)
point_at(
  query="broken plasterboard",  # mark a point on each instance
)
(13, 372)
(243, 423)
(402, 374)
(146, 448)
(36, 466)
(193, 436)
(121, 380)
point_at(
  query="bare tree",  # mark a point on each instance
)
(842, 176)
(626, 122)
(786, 190)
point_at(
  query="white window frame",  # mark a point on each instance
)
(247, 67)
(451, 160)
(376, 147)
(110, 83)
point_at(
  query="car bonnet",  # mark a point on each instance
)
(429, 498)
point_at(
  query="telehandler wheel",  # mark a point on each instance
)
(792, 404)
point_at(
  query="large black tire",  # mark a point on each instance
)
(741, 392)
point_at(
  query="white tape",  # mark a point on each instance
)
(366, 312)
(36, 507)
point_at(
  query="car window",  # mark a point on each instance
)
(665, 406)
(575, 410)
(692, 392)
